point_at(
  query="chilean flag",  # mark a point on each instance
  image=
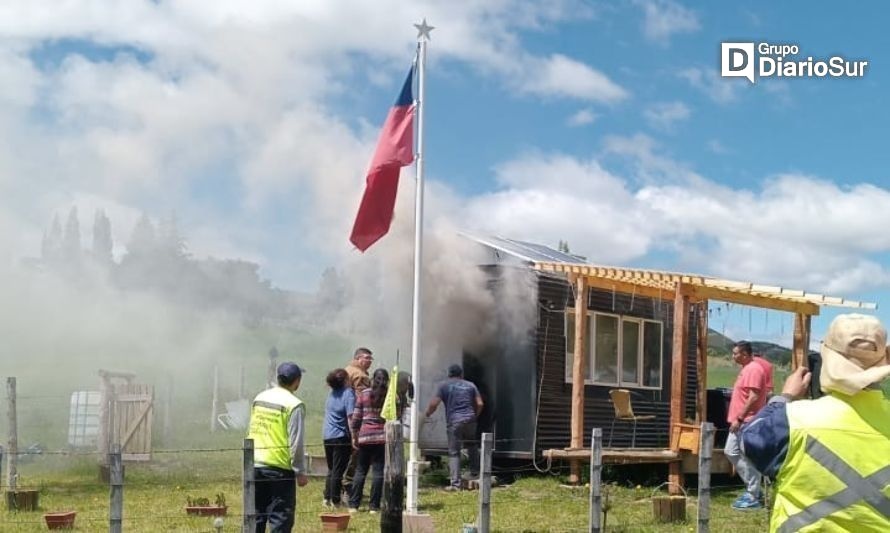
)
(395, 149)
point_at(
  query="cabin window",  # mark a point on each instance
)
(652, 354)
(623, 351)
(570, 345)
(606, 347)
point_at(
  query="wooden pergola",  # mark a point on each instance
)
(685, 290)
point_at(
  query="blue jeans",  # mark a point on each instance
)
(460, 435)
(373, 457)
(276, 499)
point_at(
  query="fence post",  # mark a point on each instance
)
(705, 450)
(596, 475)
(116, 509)
(484, 520)
(248, 490)
(13, 444)
(168, 411)
(214, 406)
(393, 480)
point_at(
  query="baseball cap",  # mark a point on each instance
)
(289, 371)
(854, 354)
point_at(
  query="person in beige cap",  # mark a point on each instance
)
(830, 457)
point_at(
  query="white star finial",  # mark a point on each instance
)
(423, 30)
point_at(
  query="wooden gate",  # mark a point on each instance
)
(126, 416)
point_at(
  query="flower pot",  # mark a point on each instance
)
(206, 510)
(334, 521)
(60, 520)
(22, 500)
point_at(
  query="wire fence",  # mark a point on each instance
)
(155, 496)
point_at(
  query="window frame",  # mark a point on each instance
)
(660, 354)
(588, 377)
(591, 341)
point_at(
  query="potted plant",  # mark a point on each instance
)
(334, 521)
(202, 506)
(60, 520)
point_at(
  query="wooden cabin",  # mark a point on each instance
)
(640, 330)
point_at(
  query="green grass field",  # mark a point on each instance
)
(200, 464)
(155, 495)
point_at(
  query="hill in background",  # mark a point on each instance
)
(720, 345)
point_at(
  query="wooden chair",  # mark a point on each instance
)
(624, 411)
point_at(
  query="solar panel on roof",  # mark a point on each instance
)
(526, 251)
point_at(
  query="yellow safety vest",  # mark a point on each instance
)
(269, 418)
(836, 475)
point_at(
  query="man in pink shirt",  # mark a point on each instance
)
(767, 374)
(748, 396)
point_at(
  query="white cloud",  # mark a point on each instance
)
(664, 115)
(664, 18)
(650, 166)
(794, 230)
(559, 75)
(778, 90)
(234, 98)
(568, 199)
(582, 117)
(718, 89)
(201, 103)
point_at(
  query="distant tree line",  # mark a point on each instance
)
(157, 260)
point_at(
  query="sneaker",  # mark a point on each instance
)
(353, 510)
(746, 502)
(452, 488)
(327, 504)
(373, 511)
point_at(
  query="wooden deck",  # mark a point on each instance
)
(639, 456)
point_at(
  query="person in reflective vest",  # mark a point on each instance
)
(276, 427)
(830, 457)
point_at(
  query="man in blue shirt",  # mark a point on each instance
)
(463, 403)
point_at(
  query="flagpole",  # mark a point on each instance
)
(413, 457)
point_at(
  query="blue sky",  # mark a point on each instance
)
(602, 123)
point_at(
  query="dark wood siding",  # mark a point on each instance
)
(554, 418)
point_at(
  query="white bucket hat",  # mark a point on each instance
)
(854, 354)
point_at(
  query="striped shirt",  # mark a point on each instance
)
(367, 422)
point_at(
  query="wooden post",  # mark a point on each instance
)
(116, 508)
(701, 364)
(678, 377)
(12, 449)
(168, 410)
(484, 520)
(248, 491)
(393, 480)
(104, 417)
(214, 408)
(801, 345)
(579, 372)
(596, 471)
(705, 450)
